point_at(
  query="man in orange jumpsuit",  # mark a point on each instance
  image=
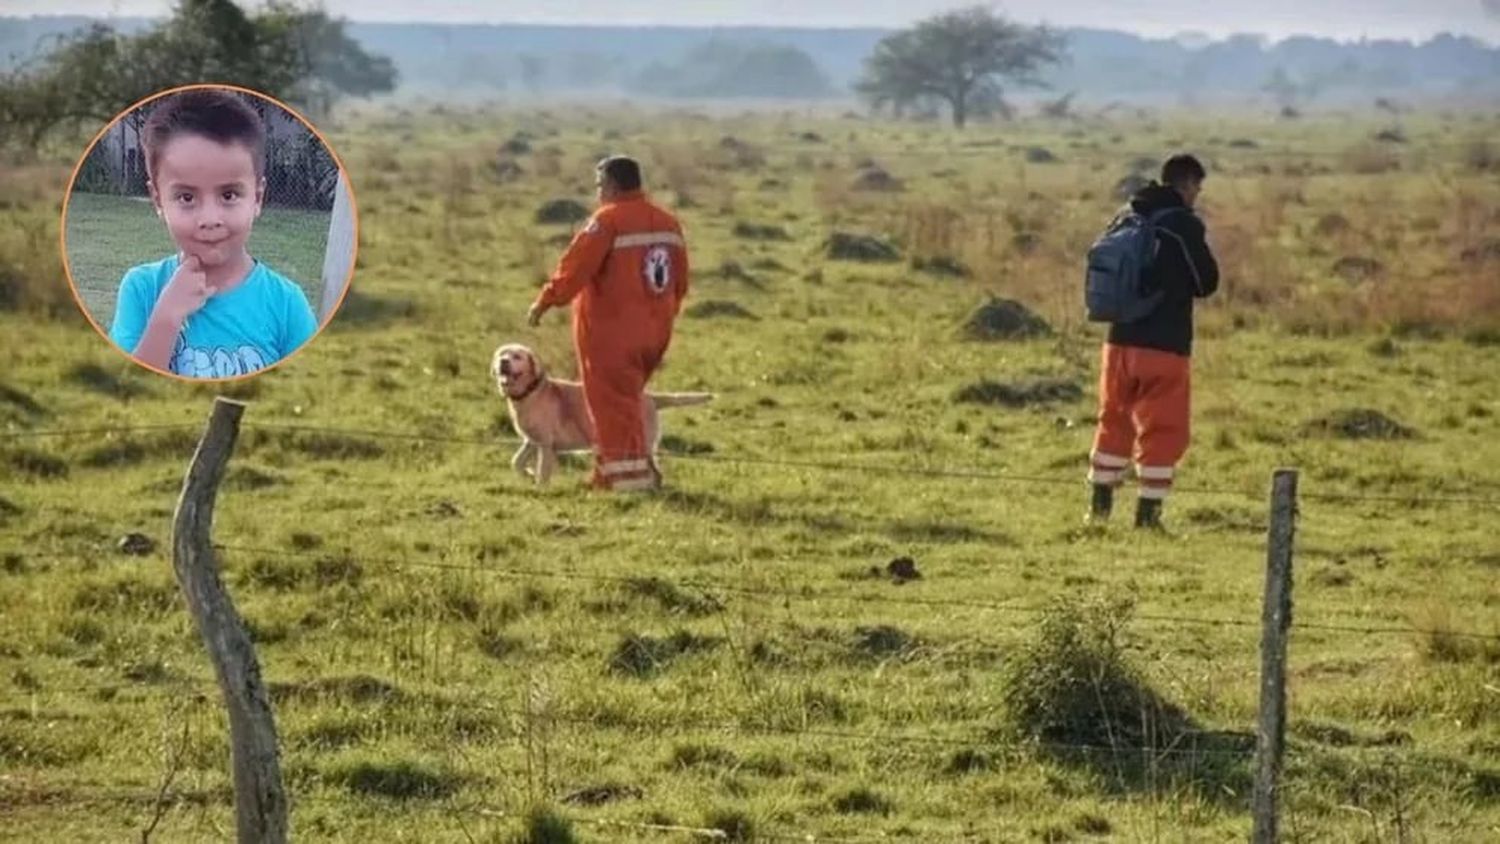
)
(628, 270)
(1144, 376)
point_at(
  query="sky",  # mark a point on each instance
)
(1342, 19)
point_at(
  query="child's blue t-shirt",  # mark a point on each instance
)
(256, 324)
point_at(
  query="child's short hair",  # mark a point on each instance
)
(219, 115)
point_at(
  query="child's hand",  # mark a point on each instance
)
(187, 290)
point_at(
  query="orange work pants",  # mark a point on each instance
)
(1143, 416)
(614, 388)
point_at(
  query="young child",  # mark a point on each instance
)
(211, 310)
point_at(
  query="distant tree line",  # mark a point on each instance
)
(87, 77)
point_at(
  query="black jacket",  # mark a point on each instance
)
(1184, 267)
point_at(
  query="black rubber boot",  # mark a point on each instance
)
(1103, 502)
(1148, 513)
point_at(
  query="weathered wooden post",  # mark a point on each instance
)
(1276, 621)
(260, 802)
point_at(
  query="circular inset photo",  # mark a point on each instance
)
(209, 232)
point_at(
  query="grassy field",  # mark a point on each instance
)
(108, 235)
(450, 649)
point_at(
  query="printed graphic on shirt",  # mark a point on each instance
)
(657, 268)
(216, 361)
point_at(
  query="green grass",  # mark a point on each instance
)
(108, 235)
(440, 635)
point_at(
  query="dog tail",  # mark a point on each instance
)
(680, 399)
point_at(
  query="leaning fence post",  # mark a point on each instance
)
(260, 803)
(1276, 620)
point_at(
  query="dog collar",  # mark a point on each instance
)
(526, 393)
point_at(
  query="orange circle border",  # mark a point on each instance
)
(73, 180)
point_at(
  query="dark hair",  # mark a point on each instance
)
(219, 115)
(623, 171)
(1182, 168)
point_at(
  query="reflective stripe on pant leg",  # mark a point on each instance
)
(1156, 481)
(1107, 468)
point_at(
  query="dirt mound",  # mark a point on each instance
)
(8, 509)
(716, 308)
(21, 401)
(100, 380)
(598, 795)
(559, 211)
(1484, 252)
(882, 641)
(758, 231)
(506, 170)
(1019, 394)
(902, 570)
(37, 464)
(1357, 268)
(1361, 424)
(844, 246)
(644, 656)
(944, 265)
(136, 544)
(519, 144)
(1004, 319)
(742, 154)
(1331, 224)
(1040, 155)
(875, 178)
(734, 271)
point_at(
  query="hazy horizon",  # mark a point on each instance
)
(1345, 20)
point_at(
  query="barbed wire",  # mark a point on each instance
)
(205, 687)
(1413, 500)
(112, 429)
(800, 595)
(223, 794)
(484, 702)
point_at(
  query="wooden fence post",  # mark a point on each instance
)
(260, 802)
(1276, 621)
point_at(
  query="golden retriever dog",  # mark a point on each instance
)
(551, 414)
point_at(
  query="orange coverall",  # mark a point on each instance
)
(627, 268)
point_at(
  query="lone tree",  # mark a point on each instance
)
(959, 57)
(296, 54)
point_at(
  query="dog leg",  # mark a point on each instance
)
(522, 457)
(545, 465)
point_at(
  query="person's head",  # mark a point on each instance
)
(205, 157)
(1184, 173)
(616, 175)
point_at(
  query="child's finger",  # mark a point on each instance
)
(192, 264)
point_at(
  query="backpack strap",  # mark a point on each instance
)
(1155, 217)
(1187, 254)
